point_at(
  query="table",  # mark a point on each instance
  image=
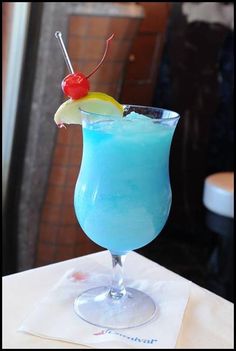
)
(207, 322)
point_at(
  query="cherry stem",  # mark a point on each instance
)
(58, 35)
(104, 55)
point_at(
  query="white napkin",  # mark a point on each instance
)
(54, 316)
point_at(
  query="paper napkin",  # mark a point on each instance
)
(54, 316)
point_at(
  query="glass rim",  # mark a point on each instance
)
(175, 114)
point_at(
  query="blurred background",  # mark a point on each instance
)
(177, 56)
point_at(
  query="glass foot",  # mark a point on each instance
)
(97, 307)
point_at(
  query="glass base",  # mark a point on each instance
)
(97, 307)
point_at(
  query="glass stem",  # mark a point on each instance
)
(117, 290)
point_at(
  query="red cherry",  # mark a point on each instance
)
(75, 85)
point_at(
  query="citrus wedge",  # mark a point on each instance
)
(94, 102)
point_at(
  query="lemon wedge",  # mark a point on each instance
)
(94, 102)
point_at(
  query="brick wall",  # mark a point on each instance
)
(146, 54)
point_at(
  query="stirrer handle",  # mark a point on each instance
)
(58, 35)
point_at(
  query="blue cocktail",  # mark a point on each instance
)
(122, 198)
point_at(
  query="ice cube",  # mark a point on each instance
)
(134, 115)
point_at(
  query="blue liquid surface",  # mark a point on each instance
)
(122, 196)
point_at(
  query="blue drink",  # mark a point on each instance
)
(123, 195)
(122, 200)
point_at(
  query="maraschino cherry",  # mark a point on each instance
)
(76, 85)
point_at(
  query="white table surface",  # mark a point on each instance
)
(207, 322)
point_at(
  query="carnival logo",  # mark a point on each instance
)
(130, 338)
